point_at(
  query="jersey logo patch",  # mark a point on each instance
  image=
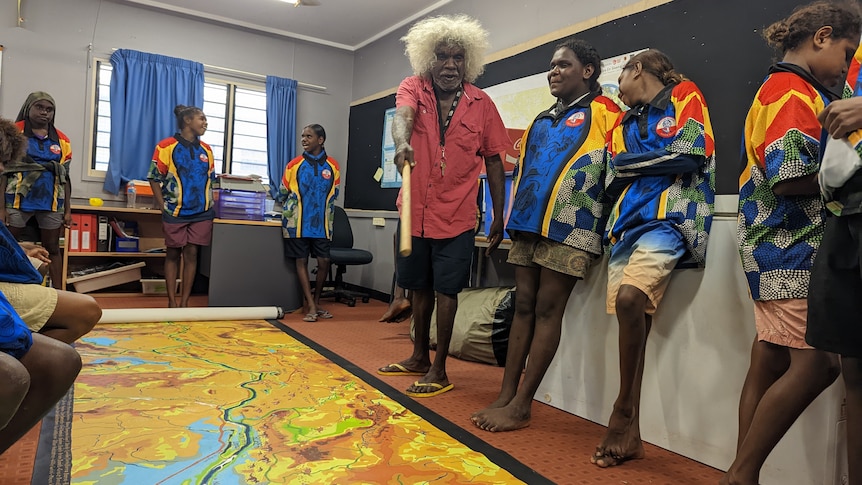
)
(55, 149)
(666, 127)
(203, 157)
(327, 174)
(577, 119)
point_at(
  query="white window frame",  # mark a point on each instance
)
(94, 174)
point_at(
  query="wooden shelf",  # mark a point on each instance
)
(149, 229)
(119, 255)
(124, 210)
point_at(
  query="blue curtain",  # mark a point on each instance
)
(145, 88)
(280, 128)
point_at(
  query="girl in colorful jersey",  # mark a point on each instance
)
(38, 185)
(309, 188)
(781, 220)
(660, 164)
(557, 222)
(181, 177)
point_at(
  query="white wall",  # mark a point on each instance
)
(696, 360)
(50, 53)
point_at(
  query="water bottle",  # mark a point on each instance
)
(131, 193)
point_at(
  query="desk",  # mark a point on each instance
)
(482, 244)
(246, 266)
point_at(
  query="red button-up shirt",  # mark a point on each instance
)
(444, 199)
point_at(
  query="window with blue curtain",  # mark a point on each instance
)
(280, 128)
(145, 89)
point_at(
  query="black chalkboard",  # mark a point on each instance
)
(717, 44)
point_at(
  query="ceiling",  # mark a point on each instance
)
(344, 24)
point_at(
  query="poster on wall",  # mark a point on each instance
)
(611, 70)
(391, 178)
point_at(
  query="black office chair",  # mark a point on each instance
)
(343, 254)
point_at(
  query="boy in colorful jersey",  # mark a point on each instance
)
(36, 371)
(309, 188)
(835, 292)
(445, 128)
(556, 224)
(38, 185)
(181, 176)
(660, 164)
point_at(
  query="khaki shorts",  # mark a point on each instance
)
(34, 303)
(532, 250)
(782, 322)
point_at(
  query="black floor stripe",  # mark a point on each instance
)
(53, 464)
(497, 456)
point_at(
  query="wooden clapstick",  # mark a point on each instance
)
(405, 245)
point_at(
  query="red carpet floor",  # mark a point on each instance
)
(556, 444)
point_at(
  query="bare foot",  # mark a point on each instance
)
(507, 418)
(502, 401)
(622, 441)
(730, 478)
(399, 310)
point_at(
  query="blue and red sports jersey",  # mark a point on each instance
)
(186, 171)
(661, 160)
(309, 188)
(46, 192)
(15, 337)
(559, 179)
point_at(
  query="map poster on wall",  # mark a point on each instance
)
(391, 178)
(520, 100)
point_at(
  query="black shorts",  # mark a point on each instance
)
(835, 291)
(303, 247)
(440, 264)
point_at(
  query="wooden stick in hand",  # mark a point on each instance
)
(405, 246)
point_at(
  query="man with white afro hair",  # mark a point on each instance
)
(462, 31)
(446, 129)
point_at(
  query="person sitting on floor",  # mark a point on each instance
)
(62, 315)
(400, 308)
(36, 370)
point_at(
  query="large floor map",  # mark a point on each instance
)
(241, 403)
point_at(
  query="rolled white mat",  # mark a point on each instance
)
(137, 315)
